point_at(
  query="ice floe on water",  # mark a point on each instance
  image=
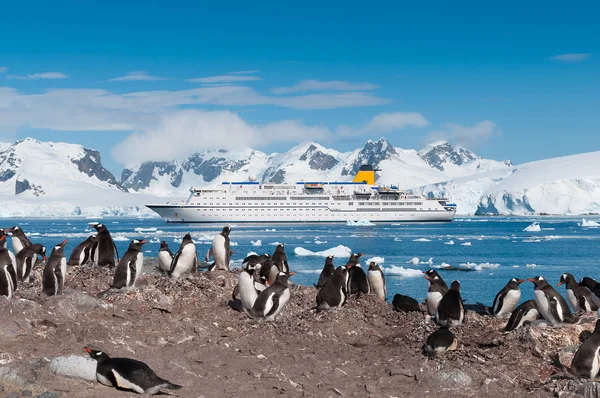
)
(251, 254)
(401, 271)
(450, 242)
(397, 239)
(378, 260)
(413, 261)
(154, 240)
(532, 240)
(479, 267)
(534, 227)
(531, 265)
(359, 222)
(589, 223)
(275, 243)
(338, 251)
(151, 229)
(466, 244)
(422, 240)
(120, 239)
(270, 230)
(256, 242)
(320, 242)
(309, 271)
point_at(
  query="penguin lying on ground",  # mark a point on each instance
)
(551, 305)
(270, 301)
(128, 374)
(451, 311)
(334, 292)
(327, 272)
(82, 254)
(506, 300)
(526, 312)
(439, 342)
(220, 251)
(403, 303)
(580, 297)
(55, 271)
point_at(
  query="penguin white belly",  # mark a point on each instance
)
(17, 245)
(164, 260)
(433, 300)
(124, 383)
(595, 364)
(377, 284)
(103, 380)
(139, 267)
(530, 316)
(573, 300)
(510, 303)
(219, 252)
(13, 258)
(185, 262)
(9, 283)
(342, 297)
(81, 257)
(543, 305)
(283, 299)
(95, 256)
(247, 291)
(63, 270)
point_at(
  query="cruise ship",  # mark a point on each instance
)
(317, 201)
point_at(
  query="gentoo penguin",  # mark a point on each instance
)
(220, 251)
(506, 300)
(586, 362)
(270, 301)
(357, 279)
(451, 311)
(437, 290)
(580, 297)
(526, 312)
(128, 374)
(403, 303)
(551, 305)
(18, 239)
(55, 271)
(439, 342)
(106, 247)
(3, 239)
(255, 259)
(8, 274)
(165, 257)
(130, 267)
(280, 259)
(268, 272)
(246, 288)
(327, 272)
(27, 259)
(333, 293)
(82, 254)
(591, 284)
(185, 259)
(377, 280)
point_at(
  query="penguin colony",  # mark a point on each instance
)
(263, 291)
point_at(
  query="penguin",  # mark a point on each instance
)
(403, 303)
(268, 272)
(185, 259)
(81, 255)
(591, 284)
(128, 374)
(220, 250)
(27, 259)
(333, 293)
(130, 267)
(280, 258)
(437, 290)
(18, 239)
(106, 248)
(55, 271)
(327, 272)
(526, 312)
(551, 305)
(451, 311)
(270, 301)
(3, 238)
(246, 288)
(165, 257)
(377, 280)
(506, 300)
(8, 273)
(439, 342)
(357, 279)
(586, 362)
(580, 297)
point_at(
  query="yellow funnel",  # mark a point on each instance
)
(366, 173)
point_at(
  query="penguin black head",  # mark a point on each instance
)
(187, 237)
(566, 278)
(164, 245)
(60, 248)
(455, 286)
(514, 283)
(98, 227)
(283, 277)
(14, 230)
(251, 268)
(432, 275)
(373, 266)
(329, 260)
(99, 356)
(280, 247)
(538, 281)
(137, 244)
(40, 249)
(226, 230)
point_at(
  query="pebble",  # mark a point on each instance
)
(75, 366)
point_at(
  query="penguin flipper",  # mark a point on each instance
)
(59, 280)
(275, 305)
(208, 254)
(236, 291)
(174, 262)
(116, 251)
(195, 265)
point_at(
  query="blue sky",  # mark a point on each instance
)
(137, 81)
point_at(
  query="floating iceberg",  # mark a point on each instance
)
(534, 227)
(422, 240)
(450, 242)
(413, 261)
(338, 251)
(378, 260)
(116, 238)
(589, 224)
(256, 243)
(151, 229)
(401, 271)
(466, 244)
(479, 267)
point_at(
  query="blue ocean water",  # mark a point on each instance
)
(499, 243)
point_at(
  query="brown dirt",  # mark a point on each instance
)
(188, 335)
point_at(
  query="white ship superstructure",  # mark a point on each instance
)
(254, 202)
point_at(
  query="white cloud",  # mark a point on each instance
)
(3, 69)
(139, 75)
(572, 57)
(37, 76)
(317, 85)
(244, 72)
(233, 78)
(386, 123)
(467, 136)
(189, 131)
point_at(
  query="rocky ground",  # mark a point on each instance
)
(188, 335)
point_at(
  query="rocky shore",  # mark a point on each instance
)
(186, 332)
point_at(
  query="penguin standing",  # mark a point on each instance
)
(130, 267)
(377, 280)
(220, 250)
(8, 274)
(270, 301)
(106, 248)
(327, 272)
(128, 374)
(551, 305)
(586, 362)
(507, 299)
(439, 342)
(27, 259)
(437, 290)
(82, 254)
(334, 292)
(526, 312)
(165, 257)
(451, 311)
(185, 259)
(55, 271)
(357, 280)
(268, 272)
(246, 288)
(280, 259)
(580, 297)
(18, 239)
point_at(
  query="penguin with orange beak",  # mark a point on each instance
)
(55, 271)
(27, 258)
(130, 267)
